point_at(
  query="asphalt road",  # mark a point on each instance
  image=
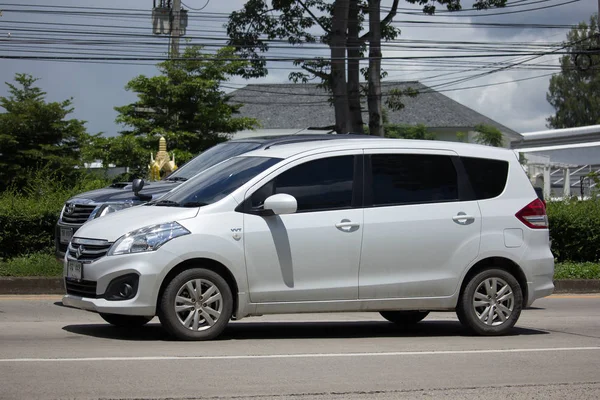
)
(48, 352)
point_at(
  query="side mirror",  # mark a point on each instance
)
(281, 204)
(138, 184)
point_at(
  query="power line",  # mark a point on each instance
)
(484, 14)
(197, 9)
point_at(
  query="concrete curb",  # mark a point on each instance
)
(577, 286)
(31, 285)
(43, 285)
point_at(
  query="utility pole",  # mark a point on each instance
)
(176, 29)
(168, 18)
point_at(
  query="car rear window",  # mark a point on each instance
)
(488, 177)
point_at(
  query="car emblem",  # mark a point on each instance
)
(70, 208)
(79, 251)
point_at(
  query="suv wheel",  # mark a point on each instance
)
(196, 305)
(125, 321)
(404, 317)
(490, 303)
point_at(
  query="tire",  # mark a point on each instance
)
(404, 317)
(493, 292)
(126, 321)
(196, 317)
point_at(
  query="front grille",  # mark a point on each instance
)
(77, 213)
(87, 250)
(81, 288)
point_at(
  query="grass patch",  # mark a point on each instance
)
(574, 270)
(36, 264)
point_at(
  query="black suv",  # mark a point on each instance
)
(118, 196)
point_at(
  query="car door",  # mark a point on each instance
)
(312, 254)
(418, 234)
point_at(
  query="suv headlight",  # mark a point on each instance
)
(111, 208)
(149, 238)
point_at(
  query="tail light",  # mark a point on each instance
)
(534, 215)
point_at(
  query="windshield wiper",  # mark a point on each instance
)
(194, 204)
(177, 179)
(166, 203)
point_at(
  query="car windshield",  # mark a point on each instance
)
(210, 157)
(216, 183)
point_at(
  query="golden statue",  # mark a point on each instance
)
(162, 162)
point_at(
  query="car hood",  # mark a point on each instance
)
(121, 192)
(114, 225)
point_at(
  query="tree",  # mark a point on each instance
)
(35, 134)
(488, 135)
(341, 21)
(418, 131)
(184, 103)
(124, 150)
(575, 92)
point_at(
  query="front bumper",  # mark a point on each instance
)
(151, 268)
(125, 307)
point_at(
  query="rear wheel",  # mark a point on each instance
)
(196, 305)
(491, 302)
(126, 321)
(404, 317)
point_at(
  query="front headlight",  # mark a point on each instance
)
(111, 208)
(149, 238)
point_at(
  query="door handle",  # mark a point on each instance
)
(347, 226)
(463, 219)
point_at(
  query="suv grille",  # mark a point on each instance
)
(77, 213)
(87, 250)
(81, 288)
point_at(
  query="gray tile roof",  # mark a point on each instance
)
(297, 106)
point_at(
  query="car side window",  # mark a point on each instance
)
(317, 185)
(412, 179)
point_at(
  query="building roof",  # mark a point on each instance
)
(297, 106)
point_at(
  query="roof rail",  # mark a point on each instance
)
(314, 138)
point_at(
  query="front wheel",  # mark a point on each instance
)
(490, 303)
(126, 321)
(404, 317)
(196, 305)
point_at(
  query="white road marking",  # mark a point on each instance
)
(304, 355)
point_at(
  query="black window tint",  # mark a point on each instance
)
(412, 178)
(214, 184)
(487, 177)
(317, 185)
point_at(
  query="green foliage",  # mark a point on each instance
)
(571, 270)
(522, 159)
(575, 94)
(35, 134)
(124, 150)
(28, 216)
(394, 97)
(575, 230)
(419, 131)
(489, 135)
(184, 104)
(42, 263)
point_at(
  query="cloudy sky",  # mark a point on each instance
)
(513, 95)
